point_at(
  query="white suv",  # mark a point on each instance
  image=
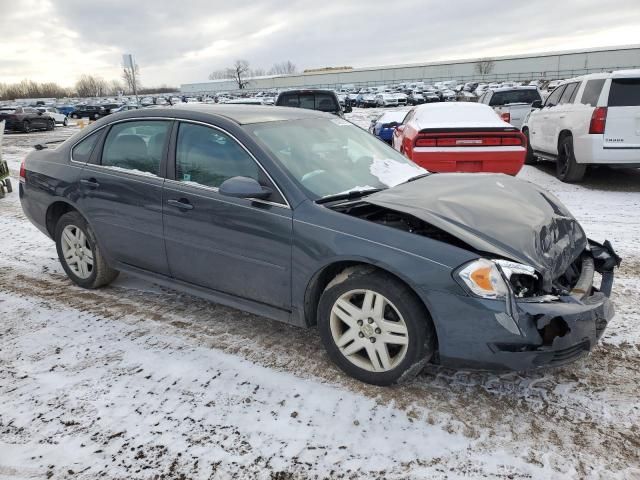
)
(589, 120)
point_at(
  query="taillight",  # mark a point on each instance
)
(598, 120)
(506, 116)
(471, 140)
(426, 142)
(23, 172)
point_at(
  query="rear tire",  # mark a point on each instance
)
(65, 122)
(385, 334)
(51, 124)
(530, 158)
(8, 186)
(567, 169)
(79, 253)
(26, 126)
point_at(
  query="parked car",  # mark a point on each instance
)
(383, 126)
(266, 209)
(552, 85)
(125, 108)
(54, 113)
(65, 109)
(415, 98)
(386, 100)
(312, 99)
(401, 98)
(460, 137)
(89, 111)
(25, 119)
(512, 104)
(587, 121)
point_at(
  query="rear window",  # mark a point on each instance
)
(592, 92)
(311, 101)
(624, 92)
(7, 110)
(514, 96)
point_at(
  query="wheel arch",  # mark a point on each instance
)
(321, 278)
(565, 132)
(54, 212)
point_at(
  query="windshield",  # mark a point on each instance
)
(332, 156)
(309, 100)
(515, 96)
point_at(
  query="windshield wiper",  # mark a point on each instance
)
(348, 195)
(417, 177)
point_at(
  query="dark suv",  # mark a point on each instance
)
(25, 119)
(322, 100)
(90, 111)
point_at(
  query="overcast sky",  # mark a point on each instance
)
(182, 41)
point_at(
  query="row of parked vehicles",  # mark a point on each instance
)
(585, 122)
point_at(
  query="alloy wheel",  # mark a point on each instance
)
(369, 330)
(77, 252)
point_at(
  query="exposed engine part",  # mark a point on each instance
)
(401, 221)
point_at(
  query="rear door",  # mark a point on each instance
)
(121, 193)
(548, 117)
(622, 129)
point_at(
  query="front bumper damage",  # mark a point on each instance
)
(528, 333)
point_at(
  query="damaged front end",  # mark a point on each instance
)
(531, 299)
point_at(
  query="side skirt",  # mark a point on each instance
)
(215, 296)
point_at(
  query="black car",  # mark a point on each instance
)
(306, 218)
(93, 112)
(313, 99)
(25, 119)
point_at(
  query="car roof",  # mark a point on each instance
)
(240, 114)
(518, 87)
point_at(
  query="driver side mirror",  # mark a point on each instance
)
(536, 104)
(244, 187)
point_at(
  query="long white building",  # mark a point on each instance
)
(548, 66)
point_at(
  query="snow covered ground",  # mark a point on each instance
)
(137, 381)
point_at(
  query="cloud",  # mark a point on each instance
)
(180, 42)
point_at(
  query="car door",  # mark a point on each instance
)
(563, 118)
(121, 193)
(547, 118)
(236, 246)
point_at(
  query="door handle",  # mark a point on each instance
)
(182, 204)
(90, 182)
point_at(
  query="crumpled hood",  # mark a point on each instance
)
(496, 214)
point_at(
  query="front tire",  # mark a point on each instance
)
(51, 124)
(26, 126)
(374, 328)
(65, 122)
(8, 186)
(79, 253)
(567, 169)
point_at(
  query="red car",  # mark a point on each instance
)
(460, 137)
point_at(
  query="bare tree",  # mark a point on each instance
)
(485, 67)
(131, 78)
(115, 87)
(239, 72)
(257, 72)
(90, 86)
(283, 68)
(219, 75)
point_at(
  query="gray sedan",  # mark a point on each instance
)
(305, 218)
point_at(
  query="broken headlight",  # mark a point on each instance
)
(494, 278)
(483, 278)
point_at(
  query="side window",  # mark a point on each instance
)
(208, 157)
(136, 146)
(82, 151)
(592, 92)
(575, 92)
(554, 98)
(568, 93)
(408, 118)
